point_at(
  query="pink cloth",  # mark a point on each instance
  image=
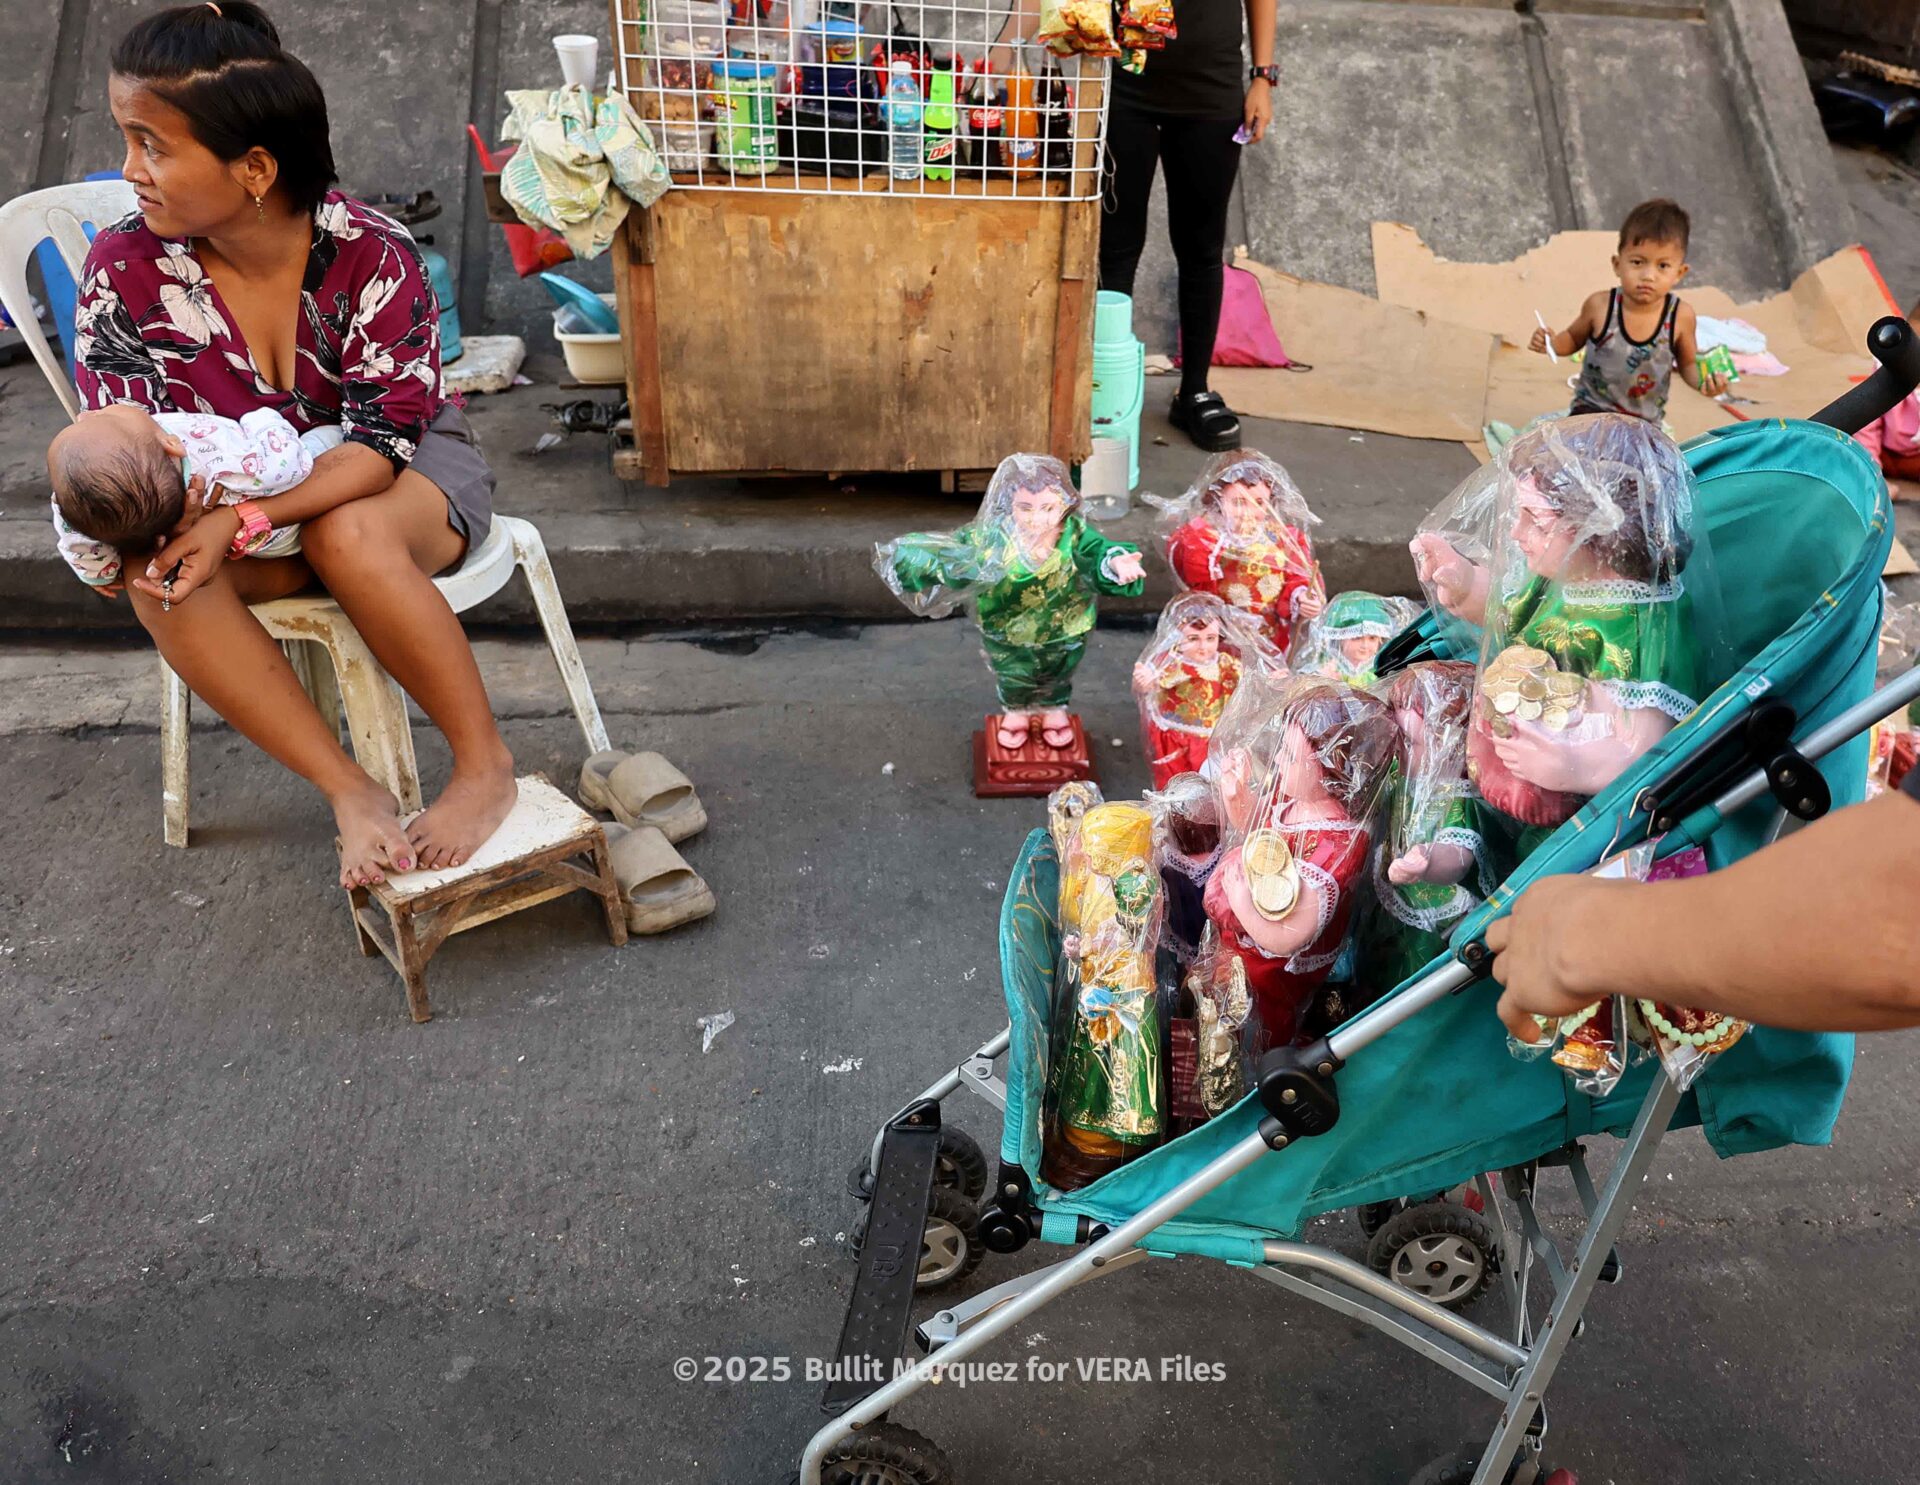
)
(1246, 336)
(1898, 433)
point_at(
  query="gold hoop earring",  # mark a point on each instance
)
(260, 207)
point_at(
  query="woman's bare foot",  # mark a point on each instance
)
(465, 815)
(1011, 730)
(372, 839)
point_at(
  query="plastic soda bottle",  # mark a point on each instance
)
(904, 115)
(939, 121)
(986, 123)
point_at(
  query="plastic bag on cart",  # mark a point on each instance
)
(1106, 1092)
(1081, 28)
(1342, 642)
(1240, 533)
(1186, 675)
(1300, 787)
(1437, 858)
(1894, 742)
(1603, 616)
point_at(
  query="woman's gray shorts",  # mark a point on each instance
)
(449, 455)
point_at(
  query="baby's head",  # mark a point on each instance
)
(1652, 256)
(117, 477)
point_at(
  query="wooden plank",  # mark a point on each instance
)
(638, 307)
(856, 332)
(1069, 433)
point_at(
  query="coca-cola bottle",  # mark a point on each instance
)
(1053, 101)
(986, 125)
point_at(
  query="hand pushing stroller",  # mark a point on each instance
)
(1419, 1092)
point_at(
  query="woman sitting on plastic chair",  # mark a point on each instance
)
(244, 283)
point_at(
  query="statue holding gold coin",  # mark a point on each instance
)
(1601, 617)
(1299, 777)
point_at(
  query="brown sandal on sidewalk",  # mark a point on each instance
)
(658, 887)
(643, 789)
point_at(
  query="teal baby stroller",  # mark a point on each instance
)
(1419, 1093)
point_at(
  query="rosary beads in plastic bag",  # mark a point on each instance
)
(1687, 1040)
(1186, 675)
(1240, 533)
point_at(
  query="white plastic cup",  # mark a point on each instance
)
(579, 59)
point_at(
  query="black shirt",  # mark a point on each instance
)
(1200, 74)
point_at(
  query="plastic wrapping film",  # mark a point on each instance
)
(1342, 642)
(1437, 858)
(1299, 786)
(1241, 533)
(1106, 1095)
(1077, 28)
(1188, 672)
(1032, 570)
(1187, 814)
(1453, 551)
(1599, 609)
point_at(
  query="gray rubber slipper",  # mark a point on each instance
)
(643, 789)
(660, 890)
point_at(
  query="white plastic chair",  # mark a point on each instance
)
(353, 684)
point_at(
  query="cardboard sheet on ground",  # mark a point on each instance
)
(1378, 367)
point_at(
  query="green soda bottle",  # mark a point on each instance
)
(939, 122)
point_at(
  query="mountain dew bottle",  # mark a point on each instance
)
(940, 121)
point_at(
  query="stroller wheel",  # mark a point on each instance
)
(886, 1454)
(950, 1246)
(1375, 1215)
(961, 1165)
(1458, 1468)
(1438, 1250)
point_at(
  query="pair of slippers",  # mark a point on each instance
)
(653, 805)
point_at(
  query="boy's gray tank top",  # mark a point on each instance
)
(1619, 374)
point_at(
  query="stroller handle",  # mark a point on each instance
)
(1897, 348)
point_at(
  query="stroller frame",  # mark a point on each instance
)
(1516, 1371)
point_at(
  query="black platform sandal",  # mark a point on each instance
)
(1207, 420)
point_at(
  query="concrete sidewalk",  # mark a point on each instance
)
(724, 549)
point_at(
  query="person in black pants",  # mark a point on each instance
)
(1184, 109)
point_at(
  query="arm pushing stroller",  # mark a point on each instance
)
(1419, 1093)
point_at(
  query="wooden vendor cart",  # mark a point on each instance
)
(812, 323)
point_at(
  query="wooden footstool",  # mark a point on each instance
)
(530, 859)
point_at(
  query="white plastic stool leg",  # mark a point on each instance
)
(376, 710)
(530, 553)
(175, 722)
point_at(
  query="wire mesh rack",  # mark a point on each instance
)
(831, 97)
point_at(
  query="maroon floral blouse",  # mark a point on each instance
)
(150, 329)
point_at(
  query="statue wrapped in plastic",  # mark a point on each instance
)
(1343, 641)
(1438, 856)
(1299, 777)
(1187, 674)
(1240, 533)
(1106, 1094)
(1600, 611)
(1033, 570)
